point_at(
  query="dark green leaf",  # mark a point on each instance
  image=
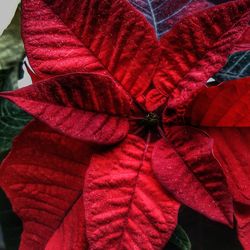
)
(179, 240)
(12, 120)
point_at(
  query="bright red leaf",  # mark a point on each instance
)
(84, 106)
(95, 36)
(126, 208)
(227, 105)
(43, 177)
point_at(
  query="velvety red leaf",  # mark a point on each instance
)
(184, 164)
(232, 149)
(95, 36)
(43, 177)
(226, 105)
(126, 208)
(154, 100)
(244, 43)
(84, 106)
(197, 47)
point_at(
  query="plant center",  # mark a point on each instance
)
(151, 121)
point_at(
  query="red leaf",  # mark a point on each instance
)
(242, 213)
(85, 106)
(244, 43)
(95, 36)
(232, 149)
(125, 206)
(43, 177)
(226, 105)
(185, 166)
(198, 47)
(154, 100)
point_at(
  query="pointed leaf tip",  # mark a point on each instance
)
(85, 106)
(186, 167)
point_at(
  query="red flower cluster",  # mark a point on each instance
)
(123, 125)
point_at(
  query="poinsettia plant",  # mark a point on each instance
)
(125, 128)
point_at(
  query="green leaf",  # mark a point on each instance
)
(12, 120)
(11, 45)
(179, 240)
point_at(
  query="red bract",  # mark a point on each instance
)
(44, 181)
(229, 126)
(142, 100)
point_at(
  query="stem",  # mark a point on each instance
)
(135, 118)
(138, 131)
(162, 134)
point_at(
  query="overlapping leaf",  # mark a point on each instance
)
(112, 38)
(85, 106)
(125, 206)
(238, 66)
(224, 111)
(51, 207)
(185, 166)
(233, 152)
(227, 105)
(197, 48)
(164, 14)
(104, 36)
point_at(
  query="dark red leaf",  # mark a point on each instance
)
(244, 42)
(226, 105)
(95, 36)
(125, 206)
(231, 148)
(184, 164)
(43, 177)
(85, 106)
(198, 47)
